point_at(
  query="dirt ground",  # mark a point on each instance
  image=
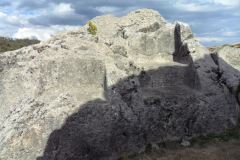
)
(211, 151)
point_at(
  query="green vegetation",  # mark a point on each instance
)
(231, 134)
(9, 44)
(236, 45)
(92, 28)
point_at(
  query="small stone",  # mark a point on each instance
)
(185, 143)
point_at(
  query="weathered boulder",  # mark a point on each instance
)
(140, 80)
(228, 60)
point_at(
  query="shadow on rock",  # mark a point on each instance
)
(173, 102)
(168, 103)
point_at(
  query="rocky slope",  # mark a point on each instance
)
(139, 81)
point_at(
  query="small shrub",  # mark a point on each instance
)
(230, 134)
(92, 28)
(9, 44)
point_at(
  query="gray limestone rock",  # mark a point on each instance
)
(139, 81)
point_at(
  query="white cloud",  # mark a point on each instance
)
(2, 14)
(194, 7)
(229, 34)
(15, 20)
(63, 9)
(206, 5)
(210, 39)
(23, 28)
(222, 32)
(230, 3)
(60, 9)
(106, 9)
(41, 33)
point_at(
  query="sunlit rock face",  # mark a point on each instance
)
(140, 80)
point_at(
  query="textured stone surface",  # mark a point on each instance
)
(139, 81)
(228, 60)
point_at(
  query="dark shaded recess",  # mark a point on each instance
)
(182, 55)
(215, 58)
(139, 110)
(238, 94)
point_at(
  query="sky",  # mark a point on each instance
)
(213, 22)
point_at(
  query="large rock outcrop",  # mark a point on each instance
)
(140, 80)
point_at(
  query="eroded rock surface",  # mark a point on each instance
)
(140, 80)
